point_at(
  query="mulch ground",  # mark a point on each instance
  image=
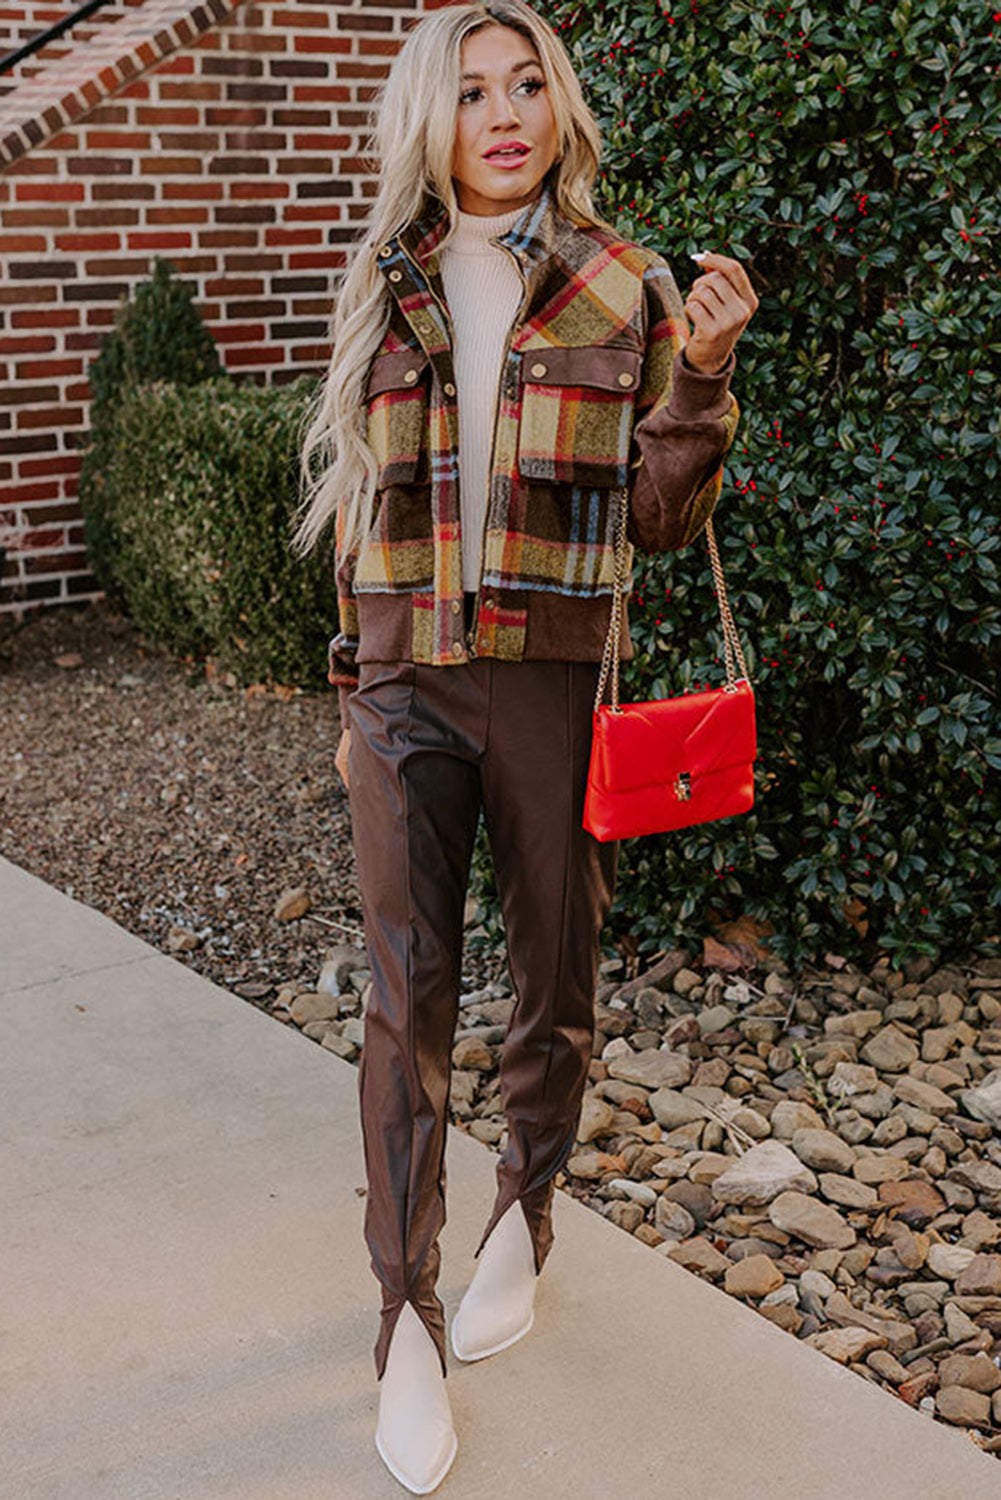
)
(179, 805)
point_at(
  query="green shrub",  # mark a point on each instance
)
(157, 335)
(202, 486)
(849, 156)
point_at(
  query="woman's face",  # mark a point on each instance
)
(503, 98)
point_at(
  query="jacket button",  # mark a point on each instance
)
(385, 250)
(456, 648)
(410, 376)
(484, 642)
(625, 378)
(538, 369)
(449, 388)
(396, 275)
(456, 606)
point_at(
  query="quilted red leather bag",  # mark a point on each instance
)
(669, 762)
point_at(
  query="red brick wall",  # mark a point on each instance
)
(238, 158)
(19, 23)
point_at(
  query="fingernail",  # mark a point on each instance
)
(698, 254)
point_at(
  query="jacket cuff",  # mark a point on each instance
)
(699, 397)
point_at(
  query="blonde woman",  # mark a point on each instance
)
(507, 372)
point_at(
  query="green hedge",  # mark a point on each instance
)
(157, 334)
(200, 493)
(849, 155)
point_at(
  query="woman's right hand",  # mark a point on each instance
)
(341, 758)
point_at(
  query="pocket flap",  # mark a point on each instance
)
(609, 367)
(396, 369)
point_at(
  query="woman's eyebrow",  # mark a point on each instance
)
(529, 62)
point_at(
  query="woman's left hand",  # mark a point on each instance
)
(720, 304)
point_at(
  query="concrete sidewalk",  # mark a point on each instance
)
(187, 1310)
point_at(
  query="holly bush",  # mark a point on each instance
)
(848, 155)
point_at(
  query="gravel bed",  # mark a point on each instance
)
(823, 1145)
(182, 807)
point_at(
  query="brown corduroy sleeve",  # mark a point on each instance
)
(686, 423)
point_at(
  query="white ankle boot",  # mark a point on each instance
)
(497, 1308)
(414, 1433)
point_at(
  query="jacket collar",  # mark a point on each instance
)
(533, 236)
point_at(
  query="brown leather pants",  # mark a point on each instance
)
(429, 747)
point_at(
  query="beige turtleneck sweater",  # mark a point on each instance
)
(483, 289)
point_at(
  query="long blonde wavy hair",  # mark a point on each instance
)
(412, 141)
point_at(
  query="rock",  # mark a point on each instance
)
(596, 1116)
(911, 1248)
(822, 1150)
(470, 1052)
(639, 1192)
(671, 1108)
(654, 1068)
(815, 1281)
(790, 1115)
(489, 1131)
(338, 964)
(948, 1260)
(181, 940)
(761, 1173)
(253, 989)
(984, 1102)
(354, 1030)
(685, 981)
(886, 1367)
(715, 1018)
(649, 1007)
(340, 1045)
(850, 1079)
(856, 1023)
(594, 1164)
(890, 1050)
(964, 1408)
(958, 1327)
(816, 1223)
(879, 1168)
(976, 1372)
(462, 1089)
(846, 1345)
(981, 1176)
(914, 1202)
(980, 1277)
(923, 1095)
(673, 1220)
(628, 1216)
(847, 1191)
(937, 1042)
(697, 1255)
(313, 1007)
(292, 904)
(755, 1276)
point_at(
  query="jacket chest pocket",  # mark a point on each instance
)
(577, 413)
(396, 402)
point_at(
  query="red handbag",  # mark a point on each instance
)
(669, 762)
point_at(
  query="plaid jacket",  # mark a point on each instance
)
(596, 408)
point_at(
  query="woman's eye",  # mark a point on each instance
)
(532, 84)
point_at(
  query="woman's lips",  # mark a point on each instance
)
(514, 160)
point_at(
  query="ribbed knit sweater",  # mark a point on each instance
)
(483, 288)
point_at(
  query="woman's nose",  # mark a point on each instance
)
(504, 113)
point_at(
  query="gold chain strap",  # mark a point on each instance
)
(610, 656)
